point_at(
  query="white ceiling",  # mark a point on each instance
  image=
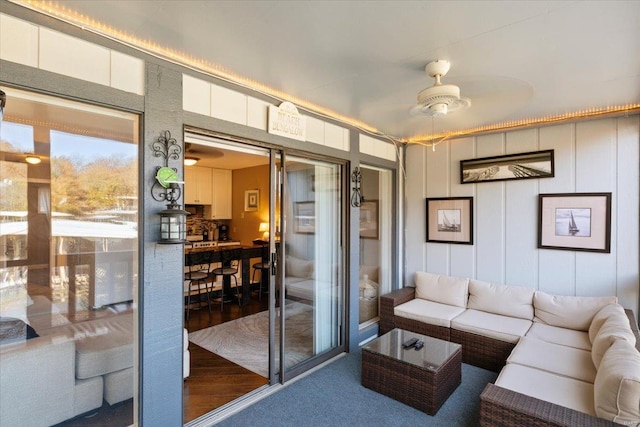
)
(365, 59)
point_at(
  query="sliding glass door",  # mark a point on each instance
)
(311, 279)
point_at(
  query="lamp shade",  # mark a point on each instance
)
(264, 229)
(173, 228)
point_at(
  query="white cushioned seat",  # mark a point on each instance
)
(562, 336)
(88, 395)
(306, 289)
(503, 328)
(118, 386)
(556, 389)
(568, 311)
(558, 359)
(617, 385)
(443, 289)
(429, 312)
(102, 345)
(512, 301)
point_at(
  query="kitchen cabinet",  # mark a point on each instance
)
(221, 184)
(197, 185)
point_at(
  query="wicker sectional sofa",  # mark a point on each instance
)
(563, 361)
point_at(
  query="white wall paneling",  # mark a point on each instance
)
(257, 112)
(196, 95)
(376, 147)
(19, 41)
(437, 185)
(591, 156)
(229, 105)
(315, 130)
(490, 216)
(463, 257)
(596, 164)
(40, 47)
(73, 57)
(556, 269)
(521, 221)
(127, 73)
(415, 232)
(627, 209)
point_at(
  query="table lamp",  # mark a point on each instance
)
(264, 229)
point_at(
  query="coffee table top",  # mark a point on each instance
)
(431, 357)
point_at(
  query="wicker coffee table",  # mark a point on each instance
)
(422, 378)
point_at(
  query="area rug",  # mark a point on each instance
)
(245, 341)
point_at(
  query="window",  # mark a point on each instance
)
(68, 260)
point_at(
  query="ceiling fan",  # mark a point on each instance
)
(439, 99)
(191, 154)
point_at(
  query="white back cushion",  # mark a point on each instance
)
(601, 317)
(568, 311)
(513, 301)
(614, 328)
(616, 390)
(442, 289)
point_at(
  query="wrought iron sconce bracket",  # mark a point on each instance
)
(166, 188)
(356, 180)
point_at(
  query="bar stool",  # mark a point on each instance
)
(263, 267)
(230, 259)
(196, 275)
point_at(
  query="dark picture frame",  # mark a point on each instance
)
(251, 200)
(450, 220)
(304, 217)
(575, 222)
(534, 164)
(369, 220)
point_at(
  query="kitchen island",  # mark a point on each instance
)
(248, 252)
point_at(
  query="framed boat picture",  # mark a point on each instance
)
(575, 221)
(450, 220)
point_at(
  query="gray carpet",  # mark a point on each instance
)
(333, 396)
(245, 341)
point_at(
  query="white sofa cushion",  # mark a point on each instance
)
(442, 289)
(513, 301)
(102, 345)
(562, 336)
(568, 311)
(617, 385)
(559, 390)
(614, 328)
(298, 267)
(601, 316)
(503, 328)
(432, 313)
(557, 359)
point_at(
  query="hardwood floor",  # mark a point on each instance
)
(214, 380)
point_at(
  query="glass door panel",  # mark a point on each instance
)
(376, 241)
(312, 301)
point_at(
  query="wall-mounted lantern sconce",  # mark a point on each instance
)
(166, 187)
(356, 195)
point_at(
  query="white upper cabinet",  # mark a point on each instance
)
(221, 208)
(197, 186)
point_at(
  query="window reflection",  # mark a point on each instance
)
(68, 262)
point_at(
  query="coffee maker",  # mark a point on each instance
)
(223, 232)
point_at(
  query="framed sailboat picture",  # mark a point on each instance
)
(450, 220)
(575, 221)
